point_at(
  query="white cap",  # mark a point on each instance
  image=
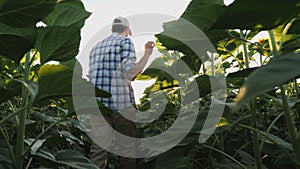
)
(122, 21)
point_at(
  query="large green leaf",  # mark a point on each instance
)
(70, 137)
(181, 157)
(36, 146)
(277, 72)
(205, 85)
(74, 159)
(278, 141)
(67, 14)
(15, 42)
(11, 88)
(45, 118)
(203, 14)
(69, 158)
(199, 16)
(190, 37)
(20, 13)
(291, 45)
(294, 29)
(58, 43)
(55, 81)
(257, 14)
(236, 79)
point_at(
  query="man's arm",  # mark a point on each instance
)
(139, 66)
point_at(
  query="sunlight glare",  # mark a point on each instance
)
(228, 2)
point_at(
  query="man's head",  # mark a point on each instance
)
(121, 25)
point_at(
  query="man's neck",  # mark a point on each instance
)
(124, 34)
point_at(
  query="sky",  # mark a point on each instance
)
(139, 13)
(103, 11)
(146, 19)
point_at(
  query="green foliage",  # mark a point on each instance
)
(68, 14)
(18, 13)
(277, 72)
(16, 41)
(262, 15)
(38, 124)
(58, 43)
(68, 158)
(39, 128)
(56, 81)
(263, 131)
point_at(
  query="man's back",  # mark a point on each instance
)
(110, 59)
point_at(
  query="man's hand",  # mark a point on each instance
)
(149, 47)
(138, 67)
(149, 44)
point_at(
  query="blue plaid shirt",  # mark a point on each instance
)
(109, 61)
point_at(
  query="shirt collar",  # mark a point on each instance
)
(116, 34)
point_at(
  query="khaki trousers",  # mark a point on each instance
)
(119, 123)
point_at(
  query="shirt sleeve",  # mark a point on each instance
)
(128, 55)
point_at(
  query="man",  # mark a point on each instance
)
(112, 66)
